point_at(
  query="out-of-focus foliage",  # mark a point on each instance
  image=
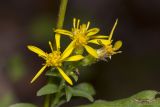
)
(142, 99)
(6, 100)
(23, 105)
(16, 68)
(42, 28)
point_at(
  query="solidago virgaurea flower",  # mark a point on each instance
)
(108, 49)
(81, 35)
(55, 59)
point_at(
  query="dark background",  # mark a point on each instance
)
(24, 22)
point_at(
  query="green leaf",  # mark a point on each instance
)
(23, 105)
(81, 93)
(61, 103)
(142, 99)
(86, 87)
(52, 72)
(47, 89)
(147, 94)
(68, 93)
(74, 76)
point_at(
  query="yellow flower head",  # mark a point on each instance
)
(55, 59)
(108, 49)
(81, 35)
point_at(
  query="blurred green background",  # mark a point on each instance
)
(24, 22)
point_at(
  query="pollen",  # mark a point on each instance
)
(53, 59)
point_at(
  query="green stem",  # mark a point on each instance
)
(47, 101)
(61, 14)
(60, 22)
(58, 94)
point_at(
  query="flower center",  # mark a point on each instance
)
(106, 51)
(80, 35)
(109, 49)
(53, 59)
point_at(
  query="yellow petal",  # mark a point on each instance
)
(99, 36)
(91, 51)
(64, 75)
(58, 42)
(111, 33)
(38, 74)
(75, 58)
(92, 31)
(117, 45)
(37, 50)
(103, 41)
(68, 50)
(64, 32)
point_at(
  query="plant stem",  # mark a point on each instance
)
(47, 101)
(60, 22)
(61, 14)
(58, 94)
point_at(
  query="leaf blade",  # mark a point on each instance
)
(48, 89)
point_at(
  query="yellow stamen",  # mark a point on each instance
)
(53, 59)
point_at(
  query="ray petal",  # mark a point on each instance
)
(58, 42)
(92, 31)
(64, 32)
(75, 58)
(91, 51)
(64, 75)
(74, 22)
(36, 50)
(99, 37)
(114, 26)
(117, 45)
(39, 73)
(68, 50)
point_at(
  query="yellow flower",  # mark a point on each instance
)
(55, 59)
(81, 35)
(108, 49)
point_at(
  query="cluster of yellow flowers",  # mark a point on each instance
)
(81, 37)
